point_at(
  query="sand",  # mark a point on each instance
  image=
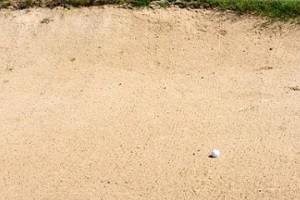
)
(110, 103)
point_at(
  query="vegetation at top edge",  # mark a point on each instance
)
(283, 9)
(273, 8)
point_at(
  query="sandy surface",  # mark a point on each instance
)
(127, 104)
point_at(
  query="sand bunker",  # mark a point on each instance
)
(109, 103)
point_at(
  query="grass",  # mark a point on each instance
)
(282, 9)
(140, 3)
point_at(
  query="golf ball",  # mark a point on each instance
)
(215, 153)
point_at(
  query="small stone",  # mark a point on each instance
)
(9, 69)
(45, 21)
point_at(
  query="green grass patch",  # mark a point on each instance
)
(283, 9)
(140, 3)
(273, 8)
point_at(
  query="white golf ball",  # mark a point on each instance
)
(215, 153)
